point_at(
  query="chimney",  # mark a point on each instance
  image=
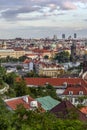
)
(34, 104)
(25, 98)
(65, 84)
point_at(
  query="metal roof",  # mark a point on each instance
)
(47, 102)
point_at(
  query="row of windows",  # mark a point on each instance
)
(71, 92)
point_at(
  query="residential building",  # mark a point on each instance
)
(7, 52)
(66, 110)
(15, 53)
(26, 101)
(49, 69)
(47, 102)
(28, 65)
(19, 52)
(66, 88)
(74, 91)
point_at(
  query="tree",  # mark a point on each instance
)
(21, 88)
(10, 78)
(2, 72)
(32, 74)
(46, 57)
(19, 67)
(22, 58)
(62, 57)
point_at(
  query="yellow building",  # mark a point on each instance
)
(7, 52)
(50, 70)
(19, 53)
(11, 52)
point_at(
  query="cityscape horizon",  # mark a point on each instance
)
(42, 18)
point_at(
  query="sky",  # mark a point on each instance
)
(42, 18)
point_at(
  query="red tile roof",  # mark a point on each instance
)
(84, 110)
(14, 102)
(75, 89)
(42, 51)
(27, 61)
(18, 49)
(54, 81)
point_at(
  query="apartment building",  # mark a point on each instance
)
(49, 70)
(15, 53)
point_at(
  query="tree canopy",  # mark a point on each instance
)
(62, 57)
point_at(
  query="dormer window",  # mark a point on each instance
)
(70, 92)
(80, 92)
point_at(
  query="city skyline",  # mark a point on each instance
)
(42, 18)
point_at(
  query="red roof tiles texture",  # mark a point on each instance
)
(13, 103)
(84, 110)
(75, 89)
(54, 81)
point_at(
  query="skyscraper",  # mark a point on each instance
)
(63, 36)
(54, 37)
(75, 35)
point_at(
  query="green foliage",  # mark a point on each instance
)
(62, 57)
(8, 59)
(32, 74)
(2, 76)
(22, 58)
(5, 116)
(23, 119)
(46, 57)
(2, 84)
(10, 93)
(44, 91)
(19, 67)
(30, 120)
(21, 88)
(2, 72)
(10, 78)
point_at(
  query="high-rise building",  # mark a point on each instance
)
(55, 37)
(63, 36)
(75, 35)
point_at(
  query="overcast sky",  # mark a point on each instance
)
(42, 18)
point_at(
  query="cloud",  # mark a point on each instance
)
(68, 6)
(85, 20)
(13, 8)
(11, 14)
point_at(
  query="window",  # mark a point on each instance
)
(70, 92)
(80, 92)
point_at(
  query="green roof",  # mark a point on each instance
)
(47, 102)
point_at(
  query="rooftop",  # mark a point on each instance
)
(66, 110)
(13, 103)
(47, 102)
(54, 81)
(84, 110)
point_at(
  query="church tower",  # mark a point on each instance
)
(73, 52)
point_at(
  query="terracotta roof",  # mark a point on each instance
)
(27, 61)
(54, 81)
(75, 89)
(42, 51)
(65, 110)
(14, 102)
(31, 54)
(84, 110)
(18, 49)
(47, 65)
